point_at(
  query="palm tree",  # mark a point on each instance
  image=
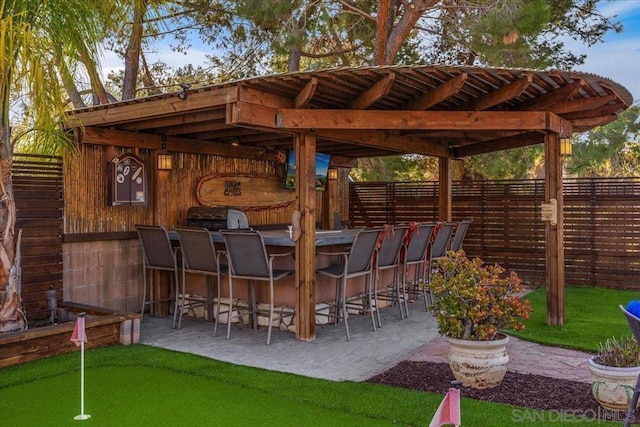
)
(35, 37)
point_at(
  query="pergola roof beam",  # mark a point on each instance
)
(306, 94)
(553, 97)
(498, 96)
(374, 94)
(292, 119)
(439, 94)
(521, 140)
(582, 104)
(386, 141)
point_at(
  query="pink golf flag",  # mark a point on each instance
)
(449, 410)
(79, 336)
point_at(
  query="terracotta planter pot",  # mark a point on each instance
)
(613, 387)
(479, 364)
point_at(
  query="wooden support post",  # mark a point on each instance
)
(329, 204)
(554, 235)
(444, 189)
(305, 276)
(160, 217)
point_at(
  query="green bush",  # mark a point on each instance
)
(474, 301)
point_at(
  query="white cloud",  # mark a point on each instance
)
(618, 60)
(619, 7)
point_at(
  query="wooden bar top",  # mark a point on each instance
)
(281, 237)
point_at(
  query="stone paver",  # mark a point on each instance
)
(524, 358)
(329, 356)
(368, 353)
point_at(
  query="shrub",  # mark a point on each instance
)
(473, 301)
(619, 353)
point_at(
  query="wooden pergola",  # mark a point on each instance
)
(444, 111)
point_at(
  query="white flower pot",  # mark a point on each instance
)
(478, 364)
(613, 387)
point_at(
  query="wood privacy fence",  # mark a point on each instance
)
(601, 223)
(37, 186)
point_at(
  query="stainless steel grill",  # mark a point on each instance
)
(216, 218)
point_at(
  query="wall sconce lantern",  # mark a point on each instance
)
(565, 141)
(164, 162)
(333, 173)
(565, 145)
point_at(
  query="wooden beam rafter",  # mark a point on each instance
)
(500, 95)
(583, 104)
(259, 97)
(177, 120)
(296, 119)
(461, 135)
(499, 144)
(374, 94)
(385, 141)
(582, 125)
(438, 94)
(156, 108)
(306, 94)
(553, 97)
(102, 136)
(254, 115)
(604, 110)
(193, 128)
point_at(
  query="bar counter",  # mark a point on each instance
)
(281, 237)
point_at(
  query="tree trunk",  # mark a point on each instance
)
(69, 84)
(295, 53)
(402, 29)
(12, 315)
(100, 93)
(132, 55)
(382, 32)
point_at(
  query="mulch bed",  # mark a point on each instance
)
(526, 390)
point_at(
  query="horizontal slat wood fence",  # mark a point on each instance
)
(38, 192)
(601, 220)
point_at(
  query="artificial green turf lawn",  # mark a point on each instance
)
(145, 386)
(591, 316)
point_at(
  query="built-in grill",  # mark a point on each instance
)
(216, 218)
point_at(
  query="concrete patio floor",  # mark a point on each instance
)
(332, 357)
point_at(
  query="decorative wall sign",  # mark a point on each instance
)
(243, 191)
(128, 186)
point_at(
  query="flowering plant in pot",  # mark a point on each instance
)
(614, 371)
(473, 302)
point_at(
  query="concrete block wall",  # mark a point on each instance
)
(104, 273)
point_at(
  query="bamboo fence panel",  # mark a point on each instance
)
(86, 190)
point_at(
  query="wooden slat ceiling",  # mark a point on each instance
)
(364, 112)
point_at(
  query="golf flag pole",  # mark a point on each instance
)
(448, 412)
(79, 337)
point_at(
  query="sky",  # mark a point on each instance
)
(618, 58)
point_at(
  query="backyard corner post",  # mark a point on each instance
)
(554, 232)
(444, 189)
(305, 262)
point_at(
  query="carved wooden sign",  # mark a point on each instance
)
(243, 191)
